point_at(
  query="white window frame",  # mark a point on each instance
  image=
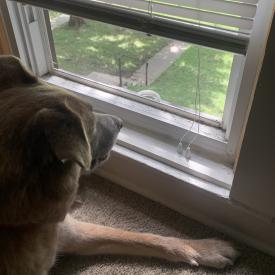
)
(214, 148)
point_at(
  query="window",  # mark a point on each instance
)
(141, 65)
(159, 68)
(139, 59)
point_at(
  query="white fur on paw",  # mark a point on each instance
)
(214, 253)
(178, 251)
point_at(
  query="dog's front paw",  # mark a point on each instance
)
(206, 252)
(214, 253)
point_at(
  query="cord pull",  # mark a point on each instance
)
(180, 148)
(188, 153)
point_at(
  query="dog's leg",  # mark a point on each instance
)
(91, 239)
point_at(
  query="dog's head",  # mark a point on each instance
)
(65, 139)
(72, 133)
(48, 137)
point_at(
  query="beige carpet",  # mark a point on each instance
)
(108, 204)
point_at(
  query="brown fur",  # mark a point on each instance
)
(47, 137)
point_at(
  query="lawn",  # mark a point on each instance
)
(97, 47)
(178, 83)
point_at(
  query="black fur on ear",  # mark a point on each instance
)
(62, 132)
(13, 73)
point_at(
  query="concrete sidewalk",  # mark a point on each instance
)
(159, 63)
(59, 20)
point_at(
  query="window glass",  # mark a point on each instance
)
(155, 67)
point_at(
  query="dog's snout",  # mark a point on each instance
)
(118, 122)
(109, 123)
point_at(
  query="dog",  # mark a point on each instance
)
(48, 137)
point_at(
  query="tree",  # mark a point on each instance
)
(76, 22)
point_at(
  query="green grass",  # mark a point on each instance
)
(97, 47)
(178, 83)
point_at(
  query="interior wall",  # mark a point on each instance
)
(254, 181)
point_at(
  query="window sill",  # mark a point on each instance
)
(126, 155)
(202, 170)
(166, 153)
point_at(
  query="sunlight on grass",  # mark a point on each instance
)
(181, 64)
(124, 45)
(139, 44)
(99, 46)
(91, 48)
(113, 38)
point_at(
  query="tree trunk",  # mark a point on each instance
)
(76, 22)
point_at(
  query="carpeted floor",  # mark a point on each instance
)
(109, 204)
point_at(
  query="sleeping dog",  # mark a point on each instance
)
(48, 136)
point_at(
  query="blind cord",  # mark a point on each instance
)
(150, 9)
(187, 149)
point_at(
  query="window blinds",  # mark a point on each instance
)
(223, 13)
(221, 24)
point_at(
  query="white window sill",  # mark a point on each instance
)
(155, 149)
(159, 167)
(166, 153)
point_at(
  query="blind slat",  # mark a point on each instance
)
(219, 6)
(244, 1)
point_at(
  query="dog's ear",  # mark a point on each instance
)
(14, 73)
(64, 133)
